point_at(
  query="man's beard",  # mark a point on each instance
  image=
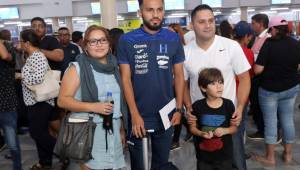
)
(155, 27)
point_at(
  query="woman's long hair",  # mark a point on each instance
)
(177, 28)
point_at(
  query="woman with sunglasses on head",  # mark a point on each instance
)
(83, 90)
(278, 63)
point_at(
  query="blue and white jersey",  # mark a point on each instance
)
(151, 58)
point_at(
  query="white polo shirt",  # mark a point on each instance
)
(224, 54)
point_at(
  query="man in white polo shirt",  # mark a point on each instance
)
(210, 50)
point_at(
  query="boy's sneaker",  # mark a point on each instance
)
(175, 146)
(256, 136)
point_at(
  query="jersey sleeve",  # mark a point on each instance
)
(179, 56)
(122, 54)
(239, 60)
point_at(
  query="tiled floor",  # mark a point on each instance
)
(184, 157)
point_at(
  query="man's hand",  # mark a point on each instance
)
(237, 116)
(176, 119)
(138, 128)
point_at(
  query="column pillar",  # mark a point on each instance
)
(69, 24)
(55, 24)
(244, 14)
(108, 14)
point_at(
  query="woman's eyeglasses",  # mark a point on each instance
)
(94, 42)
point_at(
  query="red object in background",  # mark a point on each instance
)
(211, 145)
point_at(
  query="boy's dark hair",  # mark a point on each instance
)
(142, 1)
(76, 36)
(29, 35)
(200, 8)
(261, 18)
(63, 28)
(38, 19)
(207, 76)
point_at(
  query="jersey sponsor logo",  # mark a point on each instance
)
(141, 62)
(136, 46)
(163, 61)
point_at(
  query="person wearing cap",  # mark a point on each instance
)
(278, 62)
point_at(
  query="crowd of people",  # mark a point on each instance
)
(216, 80)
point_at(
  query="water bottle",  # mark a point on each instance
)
(107, 119)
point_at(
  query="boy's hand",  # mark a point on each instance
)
(219, 132)
(207, 135)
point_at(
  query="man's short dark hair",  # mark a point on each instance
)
(76, 36)
(261, 18)
(200, 8)
(63, 28)
(208, 76)
(5, 35)
(142, 1)
(38, 19)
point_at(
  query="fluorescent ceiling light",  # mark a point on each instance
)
(179, 14)
(295, 10)
(79, 18)
(84, 21)
(1, 25)
(275, 9)
(12, 23)
(24, 24)
(250, 10)
(269, 12)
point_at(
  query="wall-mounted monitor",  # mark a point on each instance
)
(281, 1)
(174, 4)
(9, 13)
(132, 5)
(96, 9)
(213, 3)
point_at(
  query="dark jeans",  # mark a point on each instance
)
(8, 122)
(239, 160)
(161, 143)
(214, 165)
(39, 116)
(255, 107)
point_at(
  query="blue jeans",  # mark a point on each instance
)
(239, 160)
(161, 144)
(281, 103)
(8, 122)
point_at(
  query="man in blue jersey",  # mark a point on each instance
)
(150, 59)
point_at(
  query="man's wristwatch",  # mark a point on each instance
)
(180, 110)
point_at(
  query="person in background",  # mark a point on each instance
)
(83, 91)
(150, 59)
(33, 72)
(77, 39)
(213, 130)
(226, 29)
(177, 28)
(177, 129)
(115, 34)
(70, 50)
(260, 27)
(210, 50)
(8, 106)
(51, 48)
(278, 61)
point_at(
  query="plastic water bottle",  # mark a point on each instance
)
(107, 119)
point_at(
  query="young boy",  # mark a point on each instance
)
(212, 132)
